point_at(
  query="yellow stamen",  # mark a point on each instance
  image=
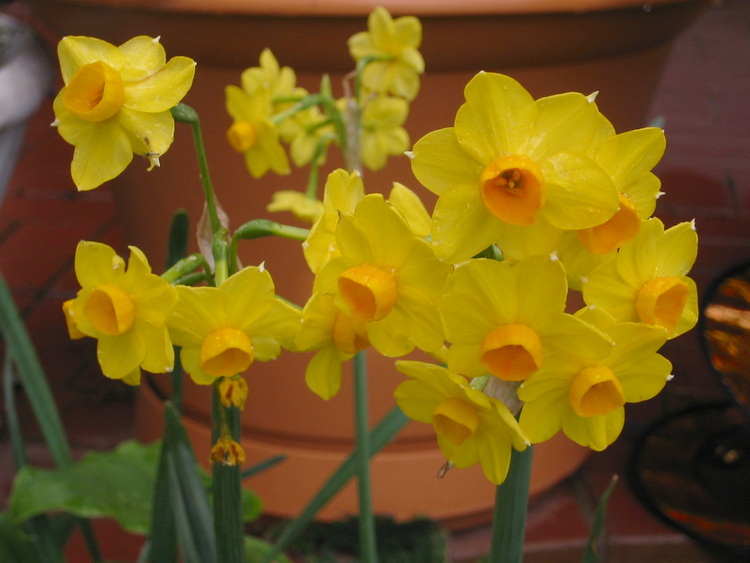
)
(661, 301)
(349, 334)
(110, 310)
(242, 136)
(511, 352)
(512, 189)
(226, 352)
(596, 391)
(370, 292)
(95, 93)
(619, 229)
(455, 419)
(233, 392)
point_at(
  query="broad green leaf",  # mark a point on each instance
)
(115, 484)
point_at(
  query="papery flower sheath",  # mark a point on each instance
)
(511, 161)
(584, 395)
(116, 102)
(470, 426)
(503, 319)
(223, 330)
(387, 277)
(125, 309)
(392, 45)
(646, 281)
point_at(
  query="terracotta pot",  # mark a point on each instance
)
(616, 47)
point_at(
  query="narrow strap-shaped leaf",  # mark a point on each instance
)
(188, 542)
(32, 377)
(194, 495)
(23, 354)
(178, 238)
(381, 435)
(591, 555)
(162, 543)
(262, 466)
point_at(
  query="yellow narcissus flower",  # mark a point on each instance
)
(585, 396)
(510, 161)
(343, 190)
(125, 310)
(386, 277)
(270, 76)
(223, 330)
(335, 336)
(646, 281)
(308, 132)
(116, 103)
(503, 319)
(300, 205)
(628, 158)
(393, 46)
(383, 134)
(470, 426)
(252, 132)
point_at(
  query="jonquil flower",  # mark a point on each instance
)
(503, 319)
(628, 158)
(116, 102)
(300, 205)
(223, 330)
(386, 277)
(646, 281)
(335, 336)
(511, 161)
(125, 309)
(393, 46)
(470, 426)
(383, 134)
(252, 132)
(342, 193)
(584, 395)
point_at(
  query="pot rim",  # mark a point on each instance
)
(347, 8)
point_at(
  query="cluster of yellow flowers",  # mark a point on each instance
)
(537, 199)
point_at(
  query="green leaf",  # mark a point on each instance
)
(32, 377)
(15, 544)
(257, 549)
(178, 238)
(115, 484)
(193, 518)
(592, 548)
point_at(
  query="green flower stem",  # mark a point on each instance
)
(367, 541)
(186, 114)
(227, 487)
(258, 228)
(184, 267)
(511, 504)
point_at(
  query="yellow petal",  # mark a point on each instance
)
(163, 89)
